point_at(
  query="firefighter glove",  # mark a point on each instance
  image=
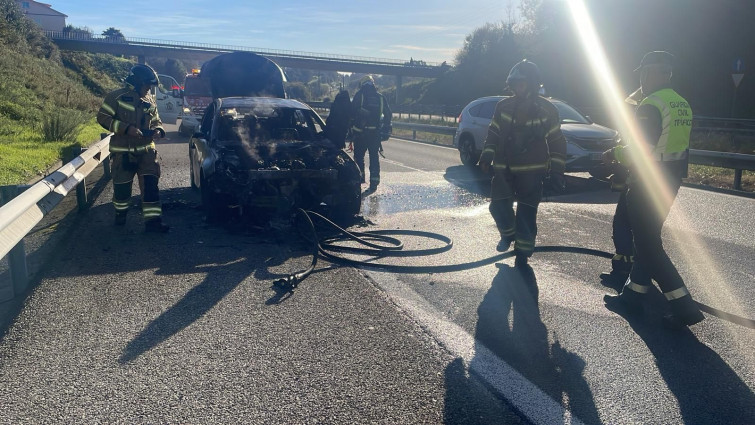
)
(557, 182)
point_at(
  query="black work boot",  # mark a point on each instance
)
(614, 278)
(156, 225)
(373, 187)
(521, 261)
(120, 218)
(504, 244)
(626, 302)
(684, 312)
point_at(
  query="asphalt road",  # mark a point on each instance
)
(185, 327)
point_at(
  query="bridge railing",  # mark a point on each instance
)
(83, 36)
(23, 207)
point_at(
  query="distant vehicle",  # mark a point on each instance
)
(168, 98)
(196, 97)
(585, 140)
(261, 155)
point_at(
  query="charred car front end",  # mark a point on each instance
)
(264, 157)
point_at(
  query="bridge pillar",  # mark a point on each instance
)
(142, 60)
(398, 89)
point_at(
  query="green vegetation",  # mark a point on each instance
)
(48, 100)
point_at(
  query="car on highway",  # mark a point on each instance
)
(261, 155)
(585, 140)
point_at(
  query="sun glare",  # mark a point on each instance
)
(696, 254)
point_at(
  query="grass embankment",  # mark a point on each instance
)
(46, 107)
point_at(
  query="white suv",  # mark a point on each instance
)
(585, 140)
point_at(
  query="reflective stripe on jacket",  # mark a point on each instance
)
(532, 144)
(123, 108)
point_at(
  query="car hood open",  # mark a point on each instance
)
(244, 74)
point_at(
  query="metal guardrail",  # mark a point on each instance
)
(735, 161)
(22, 210)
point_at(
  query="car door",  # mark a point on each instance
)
(168, 98)
(482, 122)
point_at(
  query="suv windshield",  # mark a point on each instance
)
(570, 115)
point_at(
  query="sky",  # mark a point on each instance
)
(429, 30)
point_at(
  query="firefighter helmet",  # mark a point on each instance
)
(526, 71)
(367, 79)
(142, 75)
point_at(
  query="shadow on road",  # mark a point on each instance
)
(509, 325)
(706, 387)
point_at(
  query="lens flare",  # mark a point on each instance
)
(694, 251)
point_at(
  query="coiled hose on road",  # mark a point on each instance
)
(390, 246)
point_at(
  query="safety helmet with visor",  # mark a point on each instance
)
(367, 79)
(142, 75)
(525, 71)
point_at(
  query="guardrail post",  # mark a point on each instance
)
(738, 179)
(106, 161)
(81, 188)
(19, 272)
(414, 134)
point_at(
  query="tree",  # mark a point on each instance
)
(113, 33)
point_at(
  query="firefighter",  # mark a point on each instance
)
(657, 162)
(371, 124)
(337, 123)
(524, 145)
(130, 113)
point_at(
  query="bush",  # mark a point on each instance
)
(62, 125)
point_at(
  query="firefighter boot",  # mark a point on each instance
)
(626, 302)
(621, 266)
(521, 261)
(684, 312)
(120, 218)
(156, 225)
(504, 244)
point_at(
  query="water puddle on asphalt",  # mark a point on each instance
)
(398, 198)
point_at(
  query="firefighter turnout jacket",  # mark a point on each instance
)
(124, 108)
(370, 111)
(525, 137)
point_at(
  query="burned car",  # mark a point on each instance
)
(265, 156)
(268, 156)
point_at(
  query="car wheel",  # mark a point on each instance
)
(191, 174)
(210, 202)
(467, 151)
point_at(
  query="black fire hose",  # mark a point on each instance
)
(393, 247)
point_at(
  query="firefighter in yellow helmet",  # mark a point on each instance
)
(130, 113)
(524, 146)
(665, 122)
(371, 124)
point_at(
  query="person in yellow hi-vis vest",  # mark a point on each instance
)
(130, 113)
(665, 122)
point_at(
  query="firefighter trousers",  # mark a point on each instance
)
(519, 226)
(623, 240)
(147, 166)
(368, 141)
(646, 219)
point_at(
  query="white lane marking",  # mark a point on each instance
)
(537, 406)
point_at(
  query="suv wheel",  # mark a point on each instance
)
(467, 151)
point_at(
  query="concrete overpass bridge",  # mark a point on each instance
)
(200, 52)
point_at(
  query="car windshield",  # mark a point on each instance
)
(196, 87)
(264, 123)
(570, 115)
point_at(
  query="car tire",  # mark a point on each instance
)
(191, 174)
(467, 151)
(210, 202)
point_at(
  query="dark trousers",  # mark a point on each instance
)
(521, 227)
(646, 218)
(364, 142)
(623, 240)
(147, 167)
